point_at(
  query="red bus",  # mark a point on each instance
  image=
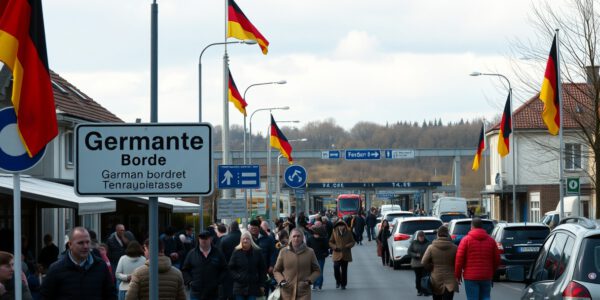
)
(348, 204)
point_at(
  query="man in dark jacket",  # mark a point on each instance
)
(371, 222)
(266, 244)
(173, 247)
(49, 253)
(79, 274)
(204, 269)
(358, 227)
(117, 243)
(319, 242)
(227, 246)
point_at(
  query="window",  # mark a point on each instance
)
(534, 200)
(69, 149)
(539, 273)
(552, 264)
(572, 156)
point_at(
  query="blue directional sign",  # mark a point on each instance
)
(239, 177)
(331, 154)
(295, 176)
(13, 156)
(363, 154)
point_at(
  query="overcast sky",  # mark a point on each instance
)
(378, 61)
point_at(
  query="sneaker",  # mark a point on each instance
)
(343, 287)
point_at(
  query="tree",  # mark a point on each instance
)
(579, 38)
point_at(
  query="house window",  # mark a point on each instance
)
(572, 156)
(534, 202)
(69, 149)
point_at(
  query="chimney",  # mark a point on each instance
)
(591, 73)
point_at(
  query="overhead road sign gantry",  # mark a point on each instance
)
(331, 154)
(399, 154)
(238, 176)
(392, 184)
(363, 154)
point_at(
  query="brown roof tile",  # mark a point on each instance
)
(73, 102)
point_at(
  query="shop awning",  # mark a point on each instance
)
(180, 206)
(56, 194)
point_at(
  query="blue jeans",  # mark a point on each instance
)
(122, 294)
(245, 297)
(478, 289)
(319, 282)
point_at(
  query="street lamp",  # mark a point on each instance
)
(247, 42)
(514, 186)
(278, 182)
(269, 198)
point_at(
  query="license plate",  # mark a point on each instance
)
(529, 249)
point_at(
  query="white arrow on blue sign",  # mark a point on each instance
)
(295, 176)
(363, 154)
(239, 177)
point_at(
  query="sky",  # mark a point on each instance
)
(379, 61)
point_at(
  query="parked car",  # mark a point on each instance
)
(400, 239)
(430, 235)
(459, 228)
(391, 217)
(519, 244)
(568, 264)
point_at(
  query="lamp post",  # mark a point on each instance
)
(278, 182)
(270, 109)
(512, 141)
(247, 42)
(269, 198)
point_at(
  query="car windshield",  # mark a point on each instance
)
(463, 228)
(391, 217)
(449, 217)
(410, 227)
(350, 204)
(588, 265)
(526, 233)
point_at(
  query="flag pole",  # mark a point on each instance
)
(225, 132)
(560, 131)
(17, 235)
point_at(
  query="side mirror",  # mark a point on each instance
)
(515, 273)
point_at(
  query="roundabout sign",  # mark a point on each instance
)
(13, 156)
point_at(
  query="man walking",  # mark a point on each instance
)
(227, 246)
(117, 243)
(371, 222)
(204, 269)
(78, 274)
(341, 242)
(477, 258)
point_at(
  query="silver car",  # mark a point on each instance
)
(400, 239)
(568, 263)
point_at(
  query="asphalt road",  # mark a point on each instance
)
(368, 279)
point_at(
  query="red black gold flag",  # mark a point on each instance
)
(239, 27)
(279, 141)
(505, 130)
(549, 92)
(480, 148)
(23, 51)
(235, 97)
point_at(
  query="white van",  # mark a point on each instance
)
(450, 208)
(552, 218)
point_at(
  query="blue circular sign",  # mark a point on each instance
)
(295, 176)
(13, 156)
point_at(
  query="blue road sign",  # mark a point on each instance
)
(239, 177)
(331, 154)
(13, 156)
(295, 176)
(363, 154)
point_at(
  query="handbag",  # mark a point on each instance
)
(275, 295)
(426, 284)
(379, 249)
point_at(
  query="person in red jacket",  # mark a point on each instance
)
(477, 258)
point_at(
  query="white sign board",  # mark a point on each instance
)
(143, 159)
(231, 208)
(400, 154)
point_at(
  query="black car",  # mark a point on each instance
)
(519, 244)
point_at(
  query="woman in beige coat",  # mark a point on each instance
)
(296, 268)
(341, 242)
(439, 258)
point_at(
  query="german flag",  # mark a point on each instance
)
(239, 27)
(505, 130)
(235, 97)
(549, 92)
(480, 148)
(279, 141)
(23, 51)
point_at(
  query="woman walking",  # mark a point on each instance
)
(416, 250)
(382, 239)
(133, 258)
(296, 268)
(7, 283)
(341, 242)
(439, 258)
(319, 243)
(247, 269)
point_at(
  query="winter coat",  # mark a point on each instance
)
(477, 257)
(170, 281)
(66, 280)
(371, 220)
(383, 235)
(173, 244)
(439, 257)
(248, 271)
(204, 274)
(358, 225)
(126, 267)
(296, 266)
(229, 242)
(267, 247)
(10, 290)
(320, 246)
(416, 251)
(341, 242)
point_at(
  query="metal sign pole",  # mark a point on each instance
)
(153, 202)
